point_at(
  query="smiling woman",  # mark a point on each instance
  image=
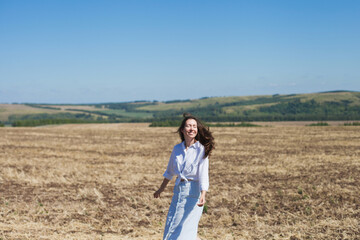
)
(189, 161)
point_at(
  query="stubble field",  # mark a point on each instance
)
(97, 182)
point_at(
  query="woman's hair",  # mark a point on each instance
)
(204, 135)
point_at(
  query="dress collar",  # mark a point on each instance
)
(195, 145)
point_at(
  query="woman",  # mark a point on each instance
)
(189, 161)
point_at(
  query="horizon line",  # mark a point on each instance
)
(184, 100)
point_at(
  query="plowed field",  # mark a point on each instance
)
(97, 181)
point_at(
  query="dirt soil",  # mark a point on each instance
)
(96, 181)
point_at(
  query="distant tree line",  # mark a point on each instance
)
(242, 124)
(289, 110)
(40, 106)
(37, 116)
(110, 115)
(40, 122)
(176, 123)
(63, 118)
(58, 118)
(127, 106)
(352, 124)
(318, 124)
(178, 101)
(165, 123)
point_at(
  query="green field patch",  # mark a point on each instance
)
(166, 106)
(352, 124)
(318, 124)
(240, 109)
(242, 124)
(350, 98)
(123, 113)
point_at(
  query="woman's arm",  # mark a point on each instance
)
(169, 172)
(162, 188)
(203, 174)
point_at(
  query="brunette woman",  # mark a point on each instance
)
(189, 162)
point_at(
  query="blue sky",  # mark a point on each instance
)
(73, 51)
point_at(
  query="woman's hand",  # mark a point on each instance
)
(157, 193)
(202, 200)
(162, 187)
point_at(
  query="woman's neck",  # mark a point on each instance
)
(189, 142)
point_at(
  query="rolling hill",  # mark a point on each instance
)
(334, 105)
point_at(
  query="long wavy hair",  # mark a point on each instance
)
(204, 135)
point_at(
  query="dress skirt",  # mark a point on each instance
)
(184, 213)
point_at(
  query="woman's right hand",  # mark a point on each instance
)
(162, 187)
(157, 193)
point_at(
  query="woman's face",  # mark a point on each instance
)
(190, 129)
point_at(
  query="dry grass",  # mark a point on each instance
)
(97, 182)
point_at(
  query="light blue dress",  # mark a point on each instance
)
(184, 213)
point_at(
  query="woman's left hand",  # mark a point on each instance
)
(202, 200)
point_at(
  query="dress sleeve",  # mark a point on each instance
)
(204, 174)
(169, 173)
